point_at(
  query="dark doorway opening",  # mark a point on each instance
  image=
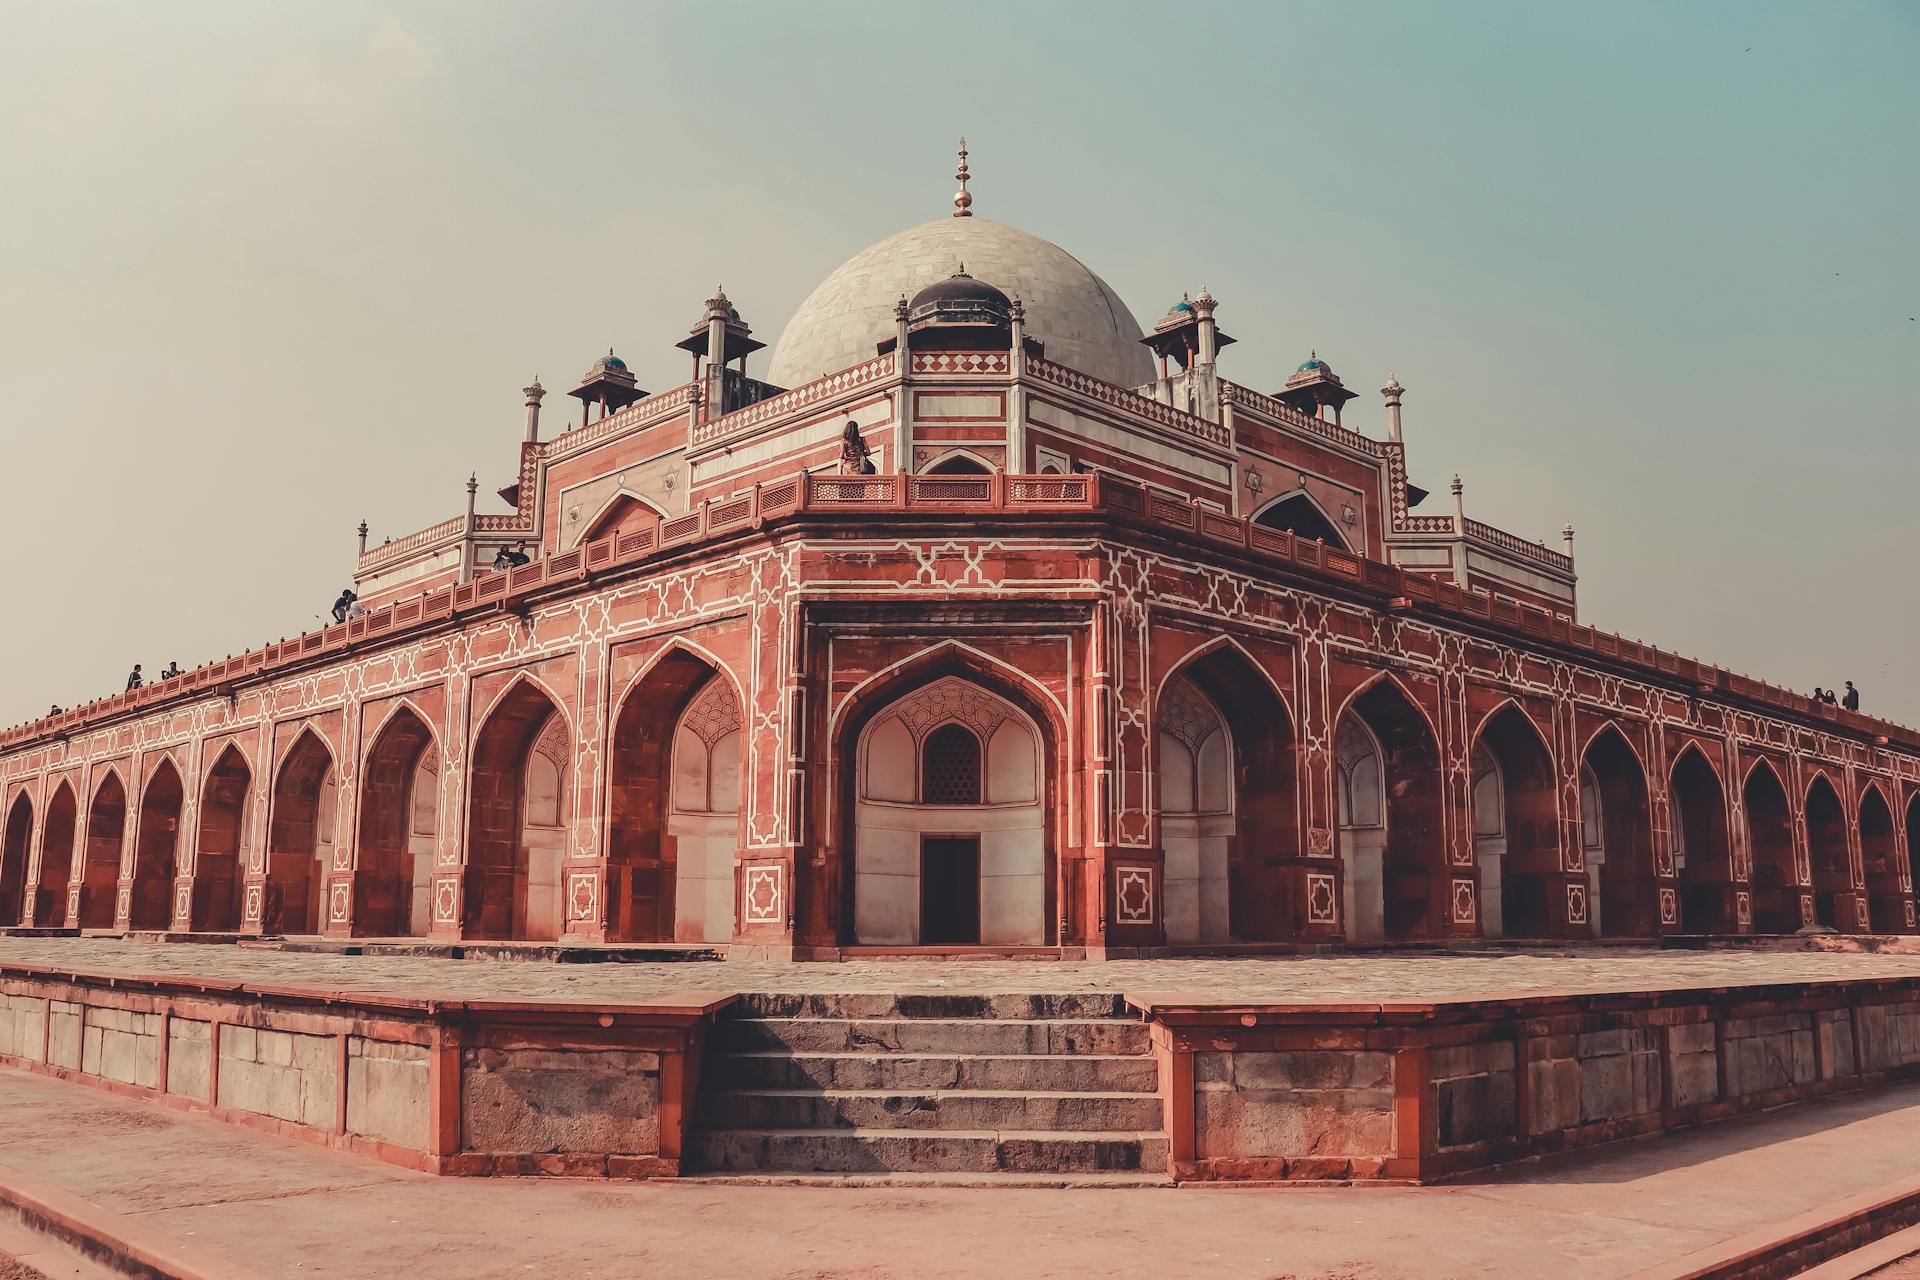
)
(950, 891)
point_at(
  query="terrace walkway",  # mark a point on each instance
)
(279, 1208)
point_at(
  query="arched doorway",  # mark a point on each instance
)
(156, 840)
(1702, 855)
(949, 821)
(1194, 771)
(958, 464)
(300, 838)
(13, 859)
(673, 821)
(399, 822)
(100, 866)
(516, 819)
(1828, 858)
(56, 858)
(218, 874)
(1300, 515)
(1776, 888)
(1515, 827)
(1616, 831)
(1389, 812)
(1879, 855)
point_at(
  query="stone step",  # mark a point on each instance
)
(1080, 1073)
(1079, 1006)
(904, 1036)
(1001, 1181)
(941, 1109)
(889, 1151)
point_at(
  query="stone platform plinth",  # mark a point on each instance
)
(1412, 1067)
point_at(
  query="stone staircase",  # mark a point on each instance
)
(1031, 1090)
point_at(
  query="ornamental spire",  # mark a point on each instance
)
(962, 199)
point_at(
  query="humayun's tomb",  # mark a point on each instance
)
(976, 621)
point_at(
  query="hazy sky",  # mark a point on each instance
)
(267, 269)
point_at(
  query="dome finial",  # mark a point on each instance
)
(962, 199)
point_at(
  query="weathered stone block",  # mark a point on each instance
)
(1553, 1094)
(532, 1100)
(1292, 1124)
(303, 1089)
(388, 1094)
(189, 1058)
(1470, 1059)
(1475, 1108)
(23, 1027)
(1695, 1078)
(1620, 1084)
(64, 1034)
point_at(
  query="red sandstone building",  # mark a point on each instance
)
(983, 619)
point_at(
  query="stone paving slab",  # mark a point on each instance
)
(1370, 977)
(288, 1209)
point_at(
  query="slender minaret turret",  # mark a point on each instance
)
(1566, 538)
(533, 395)
(363, 537)
(1392, 392)
(1459, 506)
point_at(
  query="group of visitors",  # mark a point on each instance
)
(511, 557)
(135, 679)
(1850, 699)
(348, 606)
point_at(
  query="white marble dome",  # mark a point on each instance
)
(1081, 320)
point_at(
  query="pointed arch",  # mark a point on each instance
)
(924, 664)
(673, 770)
(1299, 513)
(1520, 882)
(516, 815)
(398, 828)
(1396, 877)
(57, 839)
(1618, 838)
(1702, 852)
(624, 511)
(218, 869)
(1263, 904)
(1194, 779)
(959, 462)
(105, 839)
(156, 845)
(1776, 887)
(14, 842)
(1880, 860)
(1828, 857)
(300, 837)
(1912, 825)
(1406, 695)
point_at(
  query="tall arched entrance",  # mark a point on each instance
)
(1702, 854)
(1194, 770)
(156, 841)
(1254, 774)
(1776, 888)
(56, 858)
(13, 858)
(949, 836)
(1879, 855)
(673, 818)
(516, 819)
(1827, 856)
(100, 866)
(1913, 844)
(1390, 818)
(399, 822)
(300, 839)
(218, 875)
(1515, 827)
(1616, 832)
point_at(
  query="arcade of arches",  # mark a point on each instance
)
(952, 827)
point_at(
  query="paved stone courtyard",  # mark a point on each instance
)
(1394, 976)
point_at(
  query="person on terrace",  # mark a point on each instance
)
(1852, 699)
(134, 680)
